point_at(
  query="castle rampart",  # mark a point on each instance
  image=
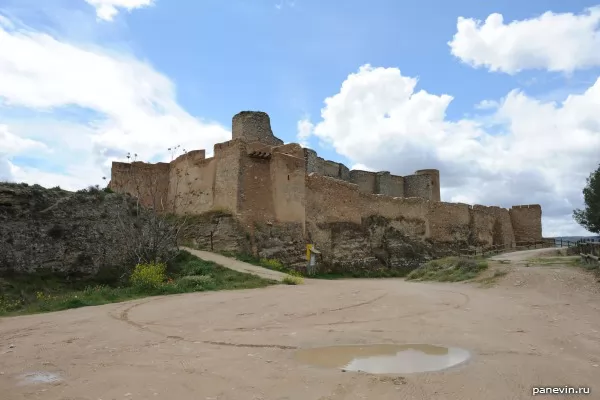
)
(259, 180)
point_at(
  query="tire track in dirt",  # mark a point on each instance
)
(466, 301)
(262, 327)
(124, 317)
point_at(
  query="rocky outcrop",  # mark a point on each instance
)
(74, 234)
(214, 231)
(377, 244)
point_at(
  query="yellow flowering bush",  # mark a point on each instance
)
(149, 275)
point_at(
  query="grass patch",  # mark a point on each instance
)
(549, 261)
(276, 265)
(449, 269)
(187, 273)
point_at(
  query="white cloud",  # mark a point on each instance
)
(554, 42)
(13, 144)
(132, 106)
(108, 9)
(305, 128)
(487, 105)
(542, 155)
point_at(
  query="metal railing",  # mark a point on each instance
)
(505, 248)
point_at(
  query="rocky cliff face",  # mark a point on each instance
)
(378, 244)
(75, 234)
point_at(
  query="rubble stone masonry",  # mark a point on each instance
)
(380, 219)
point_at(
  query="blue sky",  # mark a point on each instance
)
(82, 87)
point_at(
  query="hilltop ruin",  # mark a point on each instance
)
(273, 198)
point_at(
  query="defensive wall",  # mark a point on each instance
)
(262, 182)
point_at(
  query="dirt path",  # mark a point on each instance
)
(236, 265)
(538, 326)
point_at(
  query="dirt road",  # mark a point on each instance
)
(237, 265)
(538, 326)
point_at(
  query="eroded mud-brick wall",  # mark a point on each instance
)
(527, 222)
(148, 182)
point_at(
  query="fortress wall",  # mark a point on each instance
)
(288, 183)
(482, 224)
(449, 222)
(434, 174)
(292, 149)
(409, 216)
(148, 182)
(228, 173)
(258, 146)
(383, 183)
(311, 161)
(331, 200)
(491, 226)
(194, 155)
(256, 190)
(418, 186)
(397, 186)
(527, 222)
(192, 180)
(331, 168)
(364, 179)
(344, 173)
(320, 166)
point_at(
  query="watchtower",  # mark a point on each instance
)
(254, 126)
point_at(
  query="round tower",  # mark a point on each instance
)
(435, 182)
(254, 126)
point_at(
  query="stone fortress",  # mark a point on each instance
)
(269, 198)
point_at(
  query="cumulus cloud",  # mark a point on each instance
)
(14, 145)
(128, 106)
(108, 9)
(538, 152)
(554, 42)
(305, 128)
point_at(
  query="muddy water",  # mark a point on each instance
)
(384, 358)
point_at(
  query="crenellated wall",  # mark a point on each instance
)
(374, 218)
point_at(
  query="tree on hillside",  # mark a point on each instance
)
(589, 217)
(156, 240)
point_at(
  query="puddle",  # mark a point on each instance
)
(384, 358)
(34, 378)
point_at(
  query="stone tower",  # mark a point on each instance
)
(435, 182)
(254, 126)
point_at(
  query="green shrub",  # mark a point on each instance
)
(450, 269)
(149, 275)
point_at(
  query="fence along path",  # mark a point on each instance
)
(590, 253)
(587, 248)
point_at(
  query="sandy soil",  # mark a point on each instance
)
(538, 326)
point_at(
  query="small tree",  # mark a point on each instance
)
(154, 239)
(589, 217)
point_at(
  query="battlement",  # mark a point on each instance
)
(259, 179)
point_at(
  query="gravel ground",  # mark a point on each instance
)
(536, 326)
